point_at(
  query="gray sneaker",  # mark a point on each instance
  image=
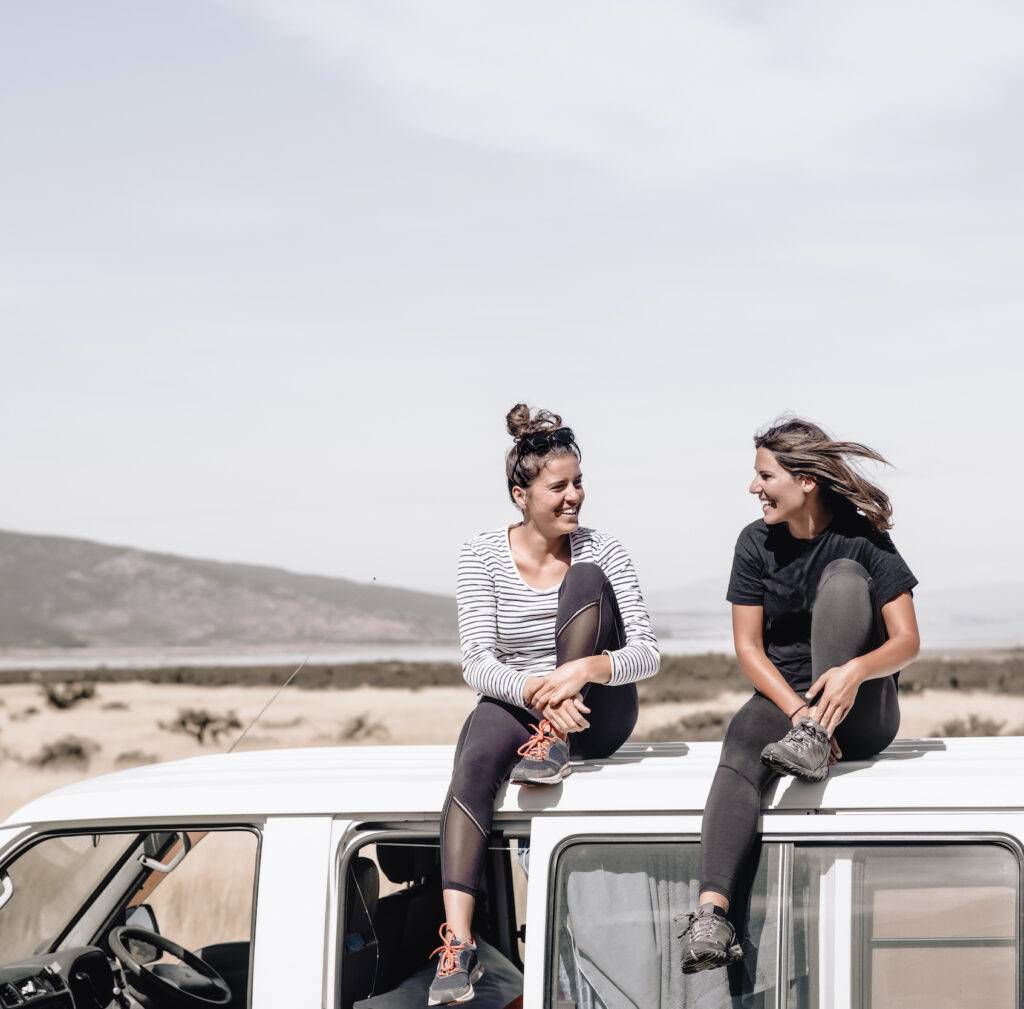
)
(457, 970)
(545, 758)
(802, 752)
(710, 940)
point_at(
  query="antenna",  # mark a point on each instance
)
(295, 672)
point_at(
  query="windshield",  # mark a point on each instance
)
(52, 881)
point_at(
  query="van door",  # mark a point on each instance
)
(844, 912)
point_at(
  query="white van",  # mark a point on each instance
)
(309, 878)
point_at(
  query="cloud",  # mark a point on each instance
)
(669, 91)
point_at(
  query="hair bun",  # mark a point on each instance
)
(520, 422)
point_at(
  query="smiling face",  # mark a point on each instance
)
(553, 500)
(783, 496)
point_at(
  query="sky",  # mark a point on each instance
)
(272, 271)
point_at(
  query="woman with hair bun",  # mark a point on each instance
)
(554, 635)
(823, 620)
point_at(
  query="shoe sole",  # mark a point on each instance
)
(711, 960)
(473, 978)
(782, 766)
(521, 779)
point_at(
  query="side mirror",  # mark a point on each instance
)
(141, 916)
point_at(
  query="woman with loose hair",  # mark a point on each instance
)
(554, 635)
(823, 620)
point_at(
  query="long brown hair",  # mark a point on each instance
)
(521, 468)
(806, 450)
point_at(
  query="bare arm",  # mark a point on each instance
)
(836, 689)
(748, 639)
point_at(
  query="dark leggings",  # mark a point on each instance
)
(846, 621)
(587, 623)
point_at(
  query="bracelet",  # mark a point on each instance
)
(795, 710)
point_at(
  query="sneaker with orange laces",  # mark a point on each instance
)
(457, 969)
(545, 757)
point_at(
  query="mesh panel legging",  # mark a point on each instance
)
(845, 622)
(588, 622)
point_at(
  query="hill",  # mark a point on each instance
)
(57, 592)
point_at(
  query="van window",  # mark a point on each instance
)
(207, 899)
(930, 926)
(69, 891)
(616, 912)
(866, 926)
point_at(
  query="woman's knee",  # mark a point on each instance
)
(845, 577)
(480, 771)
(741, 749)
(584, 579)
(476, 793)
(756, 724)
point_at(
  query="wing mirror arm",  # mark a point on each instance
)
(152, 863)
(6, 889)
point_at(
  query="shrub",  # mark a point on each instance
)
(135, 758)
(66, 695)
(114, 706)
(360, 728)
(973, 725)
(65, 751)
(24, 714)
(200, 723)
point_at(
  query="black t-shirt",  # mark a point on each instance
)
(773, 569)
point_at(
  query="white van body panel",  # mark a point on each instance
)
(10, 837)
(404, 782)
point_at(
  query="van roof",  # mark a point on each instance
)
(398, 782)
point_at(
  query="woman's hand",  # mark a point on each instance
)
(567, 716)
(530, 688)
(565, 682)
(835, 691)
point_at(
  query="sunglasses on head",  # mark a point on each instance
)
(542, 441)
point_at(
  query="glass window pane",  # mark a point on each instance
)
(207, 899)
(909, 926)
(940, 978)
(52, 881)
(617, 946)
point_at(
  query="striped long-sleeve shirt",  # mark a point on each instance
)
(507, 628)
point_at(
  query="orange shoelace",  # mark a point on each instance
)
(538, 746)
(449, 950)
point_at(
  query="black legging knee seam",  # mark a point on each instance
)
(582, 609)
(476, 823)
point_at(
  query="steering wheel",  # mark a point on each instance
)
(193, 982)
